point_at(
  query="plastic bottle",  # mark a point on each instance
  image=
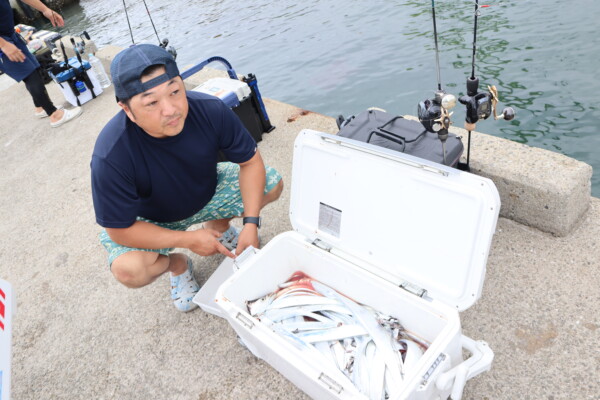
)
(80, 86)
(98, 68)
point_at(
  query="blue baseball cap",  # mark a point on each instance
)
(127, 67)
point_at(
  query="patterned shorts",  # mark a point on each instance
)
(226, 203)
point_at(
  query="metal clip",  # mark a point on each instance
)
(431, 369)
(414, 289)
(330, 383)
(247, 322)
(322, 245)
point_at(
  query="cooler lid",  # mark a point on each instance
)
(413, 222)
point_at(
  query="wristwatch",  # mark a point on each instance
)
(252, 220)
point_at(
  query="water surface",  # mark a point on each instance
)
(338, 57)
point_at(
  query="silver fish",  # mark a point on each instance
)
(302, 300)
(378, 333)
(325, 364)
(337, 333)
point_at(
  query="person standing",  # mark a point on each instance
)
(17, 62)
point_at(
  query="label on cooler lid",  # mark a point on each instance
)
(330, 219)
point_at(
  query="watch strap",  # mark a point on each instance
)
(252, 220)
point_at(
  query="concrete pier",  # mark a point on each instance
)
(79, 334)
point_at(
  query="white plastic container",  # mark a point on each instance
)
(7, 304)
(225, 88)
(86, 95)
(99, 71)
(405, 236)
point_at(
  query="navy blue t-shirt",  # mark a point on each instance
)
(168, 179)
(7, 23)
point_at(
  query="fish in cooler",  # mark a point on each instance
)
(370, 349)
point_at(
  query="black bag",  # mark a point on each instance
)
(400, 134)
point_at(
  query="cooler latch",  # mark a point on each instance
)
(414, 289)
(322, 245)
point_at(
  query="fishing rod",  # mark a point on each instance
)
(162, 43)
(433, 113)
(480, 105)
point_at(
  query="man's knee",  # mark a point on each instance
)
(134, 269)
(125, 276)
(274, 193)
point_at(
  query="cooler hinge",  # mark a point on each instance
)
(414, 289)
(322, 245)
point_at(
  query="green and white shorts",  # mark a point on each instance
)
(226, 203)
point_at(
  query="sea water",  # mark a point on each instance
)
(340, 57)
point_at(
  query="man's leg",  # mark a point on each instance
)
(135, 269)
(35, 86)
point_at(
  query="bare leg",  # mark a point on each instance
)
(57, 115)
(140, 268)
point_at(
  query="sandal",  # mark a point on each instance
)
(183, 289)
(229, 238)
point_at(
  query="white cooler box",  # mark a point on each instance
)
(63, 79)
(403, 235)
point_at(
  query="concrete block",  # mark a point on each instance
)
(539, 188)
(106, 54)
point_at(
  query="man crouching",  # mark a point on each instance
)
(155, 173)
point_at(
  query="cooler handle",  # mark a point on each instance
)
(246, 254)
(480, 361)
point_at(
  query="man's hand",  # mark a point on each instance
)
(54, 17)
(204, 242)
(12, 52)
(248, 237)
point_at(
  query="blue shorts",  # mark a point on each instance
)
(226, 203)
(18, 70)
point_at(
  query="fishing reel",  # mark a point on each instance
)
(170, 49)
(80, 46)
(480, 105)
(434, 116)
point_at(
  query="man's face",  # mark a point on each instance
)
(160, 111)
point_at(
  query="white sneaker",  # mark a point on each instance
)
(43, 114)
(67, 116)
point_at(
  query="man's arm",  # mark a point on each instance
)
(145, 235)
(252, 187)
(54, 17)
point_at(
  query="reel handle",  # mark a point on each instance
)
(507, 114)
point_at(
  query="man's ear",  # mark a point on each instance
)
(127, 110)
